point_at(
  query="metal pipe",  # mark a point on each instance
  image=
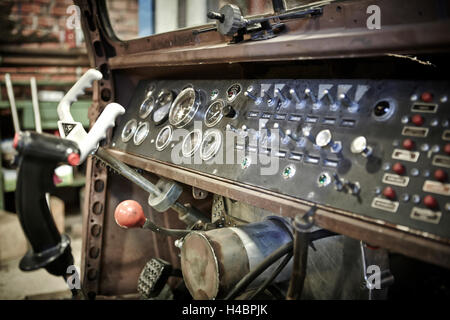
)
(12, 103)
(34, 98)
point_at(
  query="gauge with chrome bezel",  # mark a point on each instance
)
(184, 107)
(146, 107)
(141, 133)
(233, 91)
(191, 143)
(212, 141)
(214, 114)
(163, 103)
(128, 130)
(164, 137)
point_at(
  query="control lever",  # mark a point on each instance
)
(73, 130)
(39, 155)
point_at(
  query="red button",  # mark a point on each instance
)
(426, 97)
(430, 202)
(418, 120)
(440, 175)
(389, 193)
(16, 140)
(398, 168)
(408, 144)
(447, 148)
(73, 159)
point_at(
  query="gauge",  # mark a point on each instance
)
(146, 107)
(211, 143)
(191, 143)
(184, 107)
(164, 137)
(214, 113)
(233, 91)
(163, 101)
(214, 94)
(128, 130)
(141, 133)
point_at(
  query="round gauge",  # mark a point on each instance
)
(211, 143)
(233, 91)
(184, 107)
(163, 101)
(141, 133)
(191, 143)
(128, 130)
(164, 137)
(146, 107)
(214, 113)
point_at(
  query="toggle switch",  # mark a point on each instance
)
(285, 102)
(257, 100)
(333, 105)
(313, 98)
(299, 104)
(337, 182)
(352, 106)
(270, 100)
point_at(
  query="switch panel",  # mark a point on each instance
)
(377, 149)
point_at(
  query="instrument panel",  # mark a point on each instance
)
(377, 149)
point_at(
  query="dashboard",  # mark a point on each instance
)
(377, 149)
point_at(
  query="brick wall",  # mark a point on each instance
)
(36, 29)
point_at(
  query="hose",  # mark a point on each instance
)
(271, 259)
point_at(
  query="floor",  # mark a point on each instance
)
(16, 284)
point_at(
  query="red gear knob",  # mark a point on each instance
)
(129, 214)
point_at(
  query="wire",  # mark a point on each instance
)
(271, 259)
(252, 275)
(274, 274)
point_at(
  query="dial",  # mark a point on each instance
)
(141, 133)
(214, 113)
(164, 137)
(146, 107)
(163, 102)
(233, 91)
(128, 130)
(191, 143)
(211, 143)
(184, 107)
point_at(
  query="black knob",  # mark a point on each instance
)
(228, 111)
(216, 16)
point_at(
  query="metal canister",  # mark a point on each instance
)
(214, 261)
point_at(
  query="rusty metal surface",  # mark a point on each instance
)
(411, 243)
(213, 262)
(340, 32)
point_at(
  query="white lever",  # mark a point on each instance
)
(72, 130)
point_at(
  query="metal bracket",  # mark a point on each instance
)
(170, 191)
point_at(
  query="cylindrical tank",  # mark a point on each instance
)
(214, 261)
